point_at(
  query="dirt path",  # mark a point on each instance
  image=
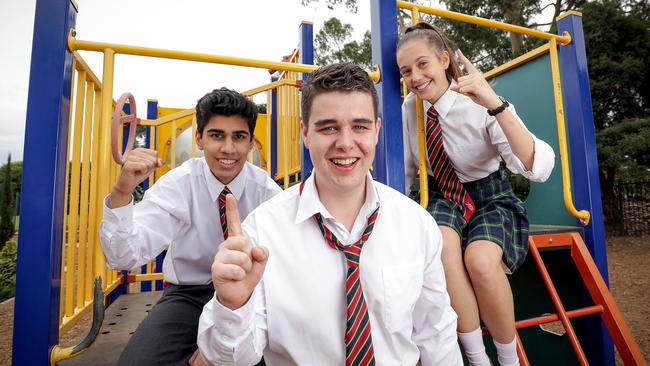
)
(629, 275)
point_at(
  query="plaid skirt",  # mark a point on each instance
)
(500, 216)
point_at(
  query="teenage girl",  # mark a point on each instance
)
(470, 130)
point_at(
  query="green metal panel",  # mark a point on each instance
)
(529, 87)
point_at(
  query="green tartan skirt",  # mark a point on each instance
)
(500, 216)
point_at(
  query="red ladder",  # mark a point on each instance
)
(605, 305)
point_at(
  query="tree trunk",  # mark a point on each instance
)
(514, 15)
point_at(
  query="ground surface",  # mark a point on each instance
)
(629, 275)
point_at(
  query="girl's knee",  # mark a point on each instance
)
(482, 267)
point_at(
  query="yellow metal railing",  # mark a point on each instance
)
(551, 47)
(82, 259)
(582, 215)
(565, 38)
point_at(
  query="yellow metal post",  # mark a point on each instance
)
(73, 205)
(582, 215)
(65, 200)
(194, 136)
(422, 155)
(105, 149)
(95, 199)
(83, 212)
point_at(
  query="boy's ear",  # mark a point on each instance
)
(303, 130)
(378, 126)
(199, 141)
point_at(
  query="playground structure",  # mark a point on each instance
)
(67, 129)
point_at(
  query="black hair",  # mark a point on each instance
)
(437, 40)
(225, 102)
(342, 77)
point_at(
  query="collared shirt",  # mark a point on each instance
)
(180, 213)
(297, 315)
(473, 140)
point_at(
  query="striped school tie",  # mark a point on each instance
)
(444, 173)
(358, 341)
(222, 211)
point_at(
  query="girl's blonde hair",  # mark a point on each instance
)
(437, 40)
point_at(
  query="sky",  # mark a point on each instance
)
(260, 29)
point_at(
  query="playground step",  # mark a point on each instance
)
(121, 320)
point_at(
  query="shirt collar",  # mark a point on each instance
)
(309, 202)
(215, 187)
(444, 103)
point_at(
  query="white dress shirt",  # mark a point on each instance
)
(473, 140)
(180, 213)
(297, 315)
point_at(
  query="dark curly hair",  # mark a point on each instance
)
(225, 102)
(340, 77)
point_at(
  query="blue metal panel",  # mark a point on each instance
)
(306, 57)
(274, 131)
(152, 113)
(584, 165)
(389, 159)
(38, 273)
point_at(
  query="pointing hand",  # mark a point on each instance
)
(238, 266)
(475, 86)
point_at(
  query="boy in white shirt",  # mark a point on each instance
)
(183, 213)
(290, 291)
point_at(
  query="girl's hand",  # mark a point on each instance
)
(475, 86)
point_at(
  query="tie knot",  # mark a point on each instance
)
(225, 191)
(432, 112)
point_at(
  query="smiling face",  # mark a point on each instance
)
(423, 69)
(341, 136)
(225, 141)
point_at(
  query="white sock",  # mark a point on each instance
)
(474, 347)
(507, 353)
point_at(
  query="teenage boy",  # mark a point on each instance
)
(184, 213)
(339, 269)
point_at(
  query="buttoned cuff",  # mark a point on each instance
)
(119, 219)
(232, 325)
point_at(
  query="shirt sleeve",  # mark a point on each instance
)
(234, 337)
(408, 120)
(543, 158)
(434, 320)
(133, 235)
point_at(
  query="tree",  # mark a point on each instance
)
(6, 209)
(618, 46)
(332, 45)
(623, 152)
(351, 5)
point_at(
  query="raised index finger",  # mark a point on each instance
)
(469, 67)
(232, 216)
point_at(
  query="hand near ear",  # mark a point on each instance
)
(475, 86)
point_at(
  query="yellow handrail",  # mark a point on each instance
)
(565, 38)
(582, 215)
(76, 44)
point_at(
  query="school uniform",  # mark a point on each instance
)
(297, 313)
(476, 146)
(179, 213)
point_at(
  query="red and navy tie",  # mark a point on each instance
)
(358, 341)
(443, 171)
(222, 211)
